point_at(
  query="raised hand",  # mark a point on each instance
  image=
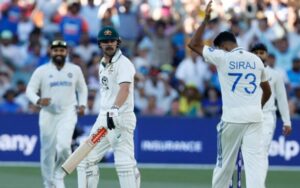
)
(208, 11)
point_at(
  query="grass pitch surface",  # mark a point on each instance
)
(29, 177)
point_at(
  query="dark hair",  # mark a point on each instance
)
(296, 60)
(224, 36)
(259, 46)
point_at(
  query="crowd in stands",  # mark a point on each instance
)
(170, 80)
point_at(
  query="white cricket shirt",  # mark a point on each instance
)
(240, 74)
(276, 82)
(120, 70)
(59, 85)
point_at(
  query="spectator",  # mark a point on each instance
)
(189, 102)
(76, 59)
(5, 82)
(142, 60)
(141, 99)
(44, 15)
(152, 107)
(10, 17)
(192, 70)
(86, 49)
(33, 59)
(212, 104)
(294, 73)
(161, 38)
(294, 103)
(271, 61)
(169, 93)
(91, 102)
(21, 98)
(12, 54)
(174, 110)
(283, 52)
(128, 18)
(9, 104)
(89, 12)
(93, 71)
(72, 25)
(25, 26)
(154, 86)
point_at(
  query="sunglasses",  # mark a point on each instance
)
(58, 43)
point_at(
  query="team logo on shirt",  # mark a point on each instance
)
(70, 75)
(104, 82)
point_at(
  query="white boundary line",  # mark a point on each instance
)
(152, 166)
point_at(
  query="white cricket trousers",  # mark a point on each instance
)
(269, 125)
(232, 136)
(121, 141)
(56, 131)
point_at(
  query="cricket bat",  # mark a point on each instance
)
(83, 150)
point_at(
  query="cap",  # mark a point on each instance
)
(108, 33)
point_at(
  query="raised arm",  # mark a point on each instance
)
(196, 44)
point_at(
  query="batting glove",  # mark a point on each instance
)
(111, 117)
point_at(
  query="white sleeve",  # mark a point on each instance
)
(212, 55)
(281, 97)
(81, 88)
(125, 72)
(33, 86)
(264, 75)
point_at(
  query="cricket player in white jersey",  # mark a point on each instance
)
(116, 74)
(59, 84)
(245, 90)
(276, 82)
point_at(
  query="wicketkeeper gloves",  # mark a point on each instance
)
(111, 117)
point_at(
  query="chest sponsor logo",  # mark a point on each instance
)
(60, 84)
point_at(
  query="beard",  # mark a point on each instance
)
(59, 60)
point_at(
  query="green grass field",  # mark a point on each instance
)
(29, 177)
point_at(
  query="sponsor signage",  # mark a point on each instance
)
(19, 138)
(180, 140)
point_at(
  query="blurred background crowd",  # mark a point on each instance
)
(170, 79)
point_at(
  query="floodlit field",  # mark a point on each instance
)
(29, 177)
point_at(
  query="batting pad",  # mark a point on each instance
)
(127, 179)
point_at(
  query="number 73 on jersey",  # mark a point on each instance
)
(249, 78)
